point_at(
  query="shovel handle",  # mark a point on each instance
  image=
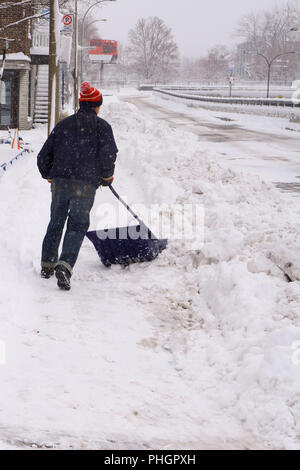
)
(125, 205)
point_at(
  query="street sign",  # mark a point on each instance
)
(67, 20)
(67, 23)
(102, 50)
(65, 49)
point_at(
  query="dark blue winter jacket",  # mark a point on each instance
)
(82, 146)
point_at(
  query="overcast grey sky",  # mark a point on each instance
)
(197, 25)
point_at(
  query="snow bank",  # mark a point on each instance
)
(197, 349)
(226, 301)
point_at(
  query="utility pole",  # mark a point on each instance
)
(101, 77)
(76, 59)
(53, 83)
(52, 64)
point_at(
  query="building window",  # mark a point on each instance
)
(9, 100)
(5, 114)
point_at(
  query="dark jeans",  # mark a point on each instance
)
(72, 200)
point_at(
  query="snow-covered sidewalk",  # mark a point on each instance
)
(194, 350)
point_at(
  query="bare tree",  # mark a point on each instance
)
(154, 52)
(123, 68)
(267, 35)
(214, 68)
(32, 10)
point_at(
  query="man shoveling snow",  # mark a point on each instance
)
(78, 156)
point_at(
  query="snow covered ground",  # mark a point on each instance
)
(7, 154)
(198, 349)
(263, 145)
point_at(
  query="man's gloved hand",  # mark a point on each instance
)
(107, 181)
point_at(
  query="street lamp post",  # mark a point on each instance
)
(95, 21)
(269, 64)
(82, 47)
(82, 28)
(76, 47)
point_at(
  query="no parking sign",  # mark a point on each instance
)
(67, 23)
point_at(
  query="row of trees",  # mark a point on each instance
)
(151, 53)
(270, 35)
(264, 37)
(261, 37)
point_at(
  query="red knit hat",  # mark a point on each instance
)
(89, 94)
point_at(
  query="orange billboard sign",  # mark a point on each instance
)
(103, 50)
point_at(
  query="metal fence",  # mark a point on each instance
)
(4, 167)
(215, 99)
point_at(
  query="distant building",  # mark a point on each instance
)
(27, 52)
(249, 66)
(16, 107)
(244, 60)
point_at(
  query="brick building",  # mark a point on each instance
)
(18, 90)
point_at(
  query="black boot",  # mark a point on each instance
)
(63, 277)
(46, 273)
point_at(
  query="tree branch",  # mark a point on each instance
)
(14, 4)
(24, 19)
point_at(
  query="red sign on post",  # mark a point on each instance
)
(103, 50)
(67, 20)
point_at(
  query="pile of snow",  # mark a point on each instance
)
(193, 350)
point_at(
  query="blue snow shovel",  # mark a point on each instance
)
(126, 245)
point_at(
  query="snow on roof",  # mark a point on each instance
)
(39, 50)
(17, 56)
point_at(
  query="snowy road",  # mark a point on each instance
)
(194, 350)
(276, 158)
